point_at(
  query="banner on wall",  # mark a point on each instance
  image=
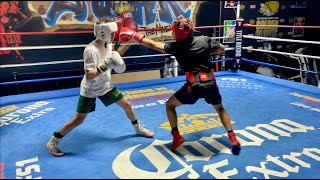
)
(229, 31)
(231, 4)
(267, 31)
(298, 32)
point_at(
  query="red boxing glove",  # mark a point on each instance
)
(126, 34)
(128, 20)
(119, 22)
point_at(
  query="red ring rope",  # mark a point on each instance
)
(89, 32)
(156, 29)
(281, 26)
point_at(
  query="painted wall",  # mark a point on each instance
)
(55, 16)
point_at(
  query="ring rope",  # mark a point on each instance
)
(200, 27)
(73, 77)
(69, 77)
(39, 64)
(156, 29)
(43, 47)
(274, 65)
(281, 26)
(91, 31)
(278, 39)
(72, 45)
(222, 60)
(71, 61)
(282, 53)
(80, 60)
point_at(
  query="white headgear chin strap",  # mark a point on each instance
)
(104, 31)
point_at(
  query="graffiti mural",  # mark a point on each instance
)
(69, 15)
(11, 17)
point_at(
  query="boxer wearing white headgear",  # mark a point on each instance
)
(99, 60)
(105, 31)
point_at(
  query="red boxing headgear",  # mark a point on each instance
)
(182, 28)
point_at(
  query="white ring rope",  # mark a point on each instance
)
(80, 60)
(71, 61)
(73, 45)
(41, 63)
(43, 47)
(229, 49)
(282, 53)
(278, 39)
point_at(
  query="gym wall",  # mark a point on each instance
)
(64, 16)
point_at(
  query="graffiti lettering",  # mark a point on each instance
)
(57, 8)
(144, 12)
(13, 39)
(150, 33)
(102, 8)
(172, 6)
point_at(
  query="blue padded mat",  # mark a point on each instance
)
(277, 123)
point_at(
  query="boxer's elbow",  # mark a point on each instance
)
(158, 46)
(89, 76)
(222, 48)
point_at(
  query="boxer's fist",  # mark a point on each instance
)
(111, 62)
(127, 34)
(124, 20)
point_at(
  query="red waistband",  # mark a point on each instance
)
(202, 76)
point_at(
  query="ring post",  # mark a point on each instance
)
(238, 39)
(238, 43)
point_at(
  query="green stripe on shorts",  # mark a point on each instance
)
(111, 97)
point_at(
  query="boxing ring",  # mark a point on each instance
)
(276, 121)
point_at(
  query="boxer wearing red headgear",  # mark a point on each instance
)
(193, 55)
(182, 28)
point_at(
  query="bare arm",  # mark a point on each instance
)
(220, 50)
(149, 43)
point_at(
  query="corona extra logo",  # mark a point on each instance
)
(159, 162)
(196, 122)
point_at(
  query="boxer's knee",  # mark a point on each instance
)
(79, 118)
(219, 108)
(125, 104)
(172, 103)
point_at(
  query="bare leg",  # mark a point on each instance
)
(52, 145)
(126, 106)
(71, 124)
(225, 120)
(171, 105)
(140, 130)
(224, 116)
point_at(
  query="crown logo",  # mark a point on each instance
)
(196, 122)
(6, 109)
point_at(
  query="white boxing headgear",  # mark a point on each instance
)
(104, 31)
